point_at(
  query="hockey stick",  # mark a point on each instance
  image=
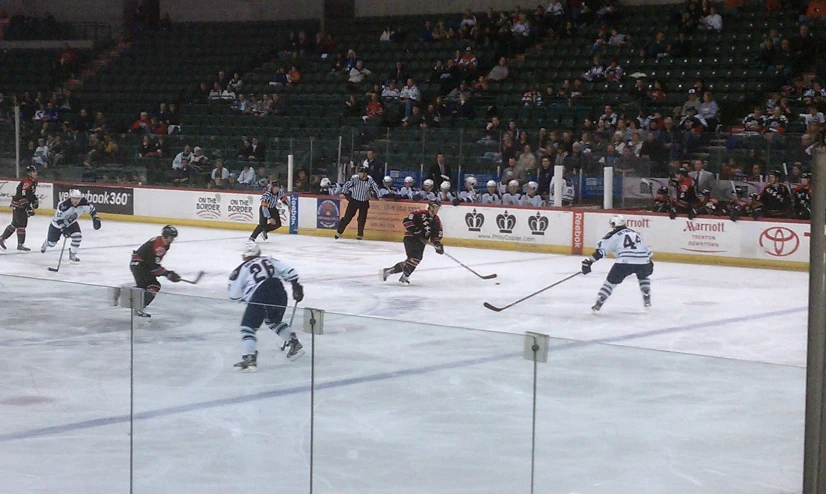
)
(60, 259)
(500, 309)
(484, 277)
(295, 307)
(196, 280)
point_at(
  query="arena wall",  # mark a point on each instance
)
(778, 244)
(367, 8)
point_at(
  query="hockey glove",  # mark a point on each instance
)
(586, 266)
(692, 213)
(29, 211)
(298, 291)
(172, 276)
(35, 204)
(440, 249)
(455, 201)
(96, 223)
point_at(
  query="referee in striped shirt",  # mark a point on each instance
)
(357, 192)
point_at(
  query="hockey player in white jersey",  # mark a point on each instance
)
(632, 257)
(258, 282)
(512, 196)
(531, 198)
(409, 190)
(386, 190)
(492, 196)
(427, 193)
(470, 194)
(65, 223)
(327, 188)
(445, 195)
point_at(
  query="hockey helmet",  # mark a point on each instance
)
(251, 250)
(706, 192)
(491, 183)
(428, 183)
(31, 169)
(513, 183)
(169, 231)
(434, 204)
(806, 175)
(409, 180)
(75, 194)
(662, 190)
(445, 185)
(364, 169)
(682, 171)
(533, 185)
(740, 190)
(275, 183)
(775, 173)
(471, 180)
(388, 180)
(325, 182)
(617, 221)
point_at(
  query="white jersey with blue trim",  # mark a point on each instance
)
(247, 277)
(66, 213)
(535, 201)
(626, 245)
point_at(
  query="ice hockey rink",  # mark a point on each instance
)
(416, 389)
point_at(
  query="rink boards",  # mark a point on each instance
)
(781, 244)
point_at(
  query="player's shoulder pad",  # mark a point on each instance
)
(612, 233)
(84, 202)
(237, 271)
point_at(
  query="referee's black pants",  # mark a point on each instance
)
(353, 206)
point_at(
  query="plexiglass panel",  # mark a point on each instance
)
(64, 388)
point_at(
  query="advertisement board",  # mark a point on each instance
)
(328, 211)
(522, 225)
(385, 217)
(117, 200)
(293, 198)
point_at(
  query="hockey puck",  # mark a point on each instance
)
(497, 283)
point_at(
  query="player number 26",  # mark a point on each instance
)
(257, 270)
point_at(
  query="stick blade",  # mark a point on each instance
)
(494, 309)
(198, 277)
(489, 276)
(53, 270)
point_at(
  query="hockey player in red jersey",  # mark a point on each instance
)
(23, 203)
(146, 266)
(686, 201)
(802, 197)
(420, 227)
(708, 205)
(738, 206)
(775, 198)
(662, 201)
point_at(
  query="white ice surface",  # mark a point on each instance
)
(703, 393)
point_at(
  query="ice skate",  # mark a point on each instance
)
(248, 363)
(337, 236)
(294, 348)
(44, 247)
(646, 300)
(2, 244)
(140, 313)
(359, 237)
(22, 247)
(73, 257)
(404, 280)
(264, 235)
(597, 306)
(384, 273)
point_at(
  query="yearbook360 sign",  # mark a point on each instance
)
(117, 200)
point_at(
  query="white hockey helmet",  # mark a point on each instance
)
(471, 180)
(491, 183)
(75, 194)
(408, 180)
(513, 183)
(617, 221)
(445, 186)
(533, 185)
(428, 182)
(325, 182)
(251, 250)
(388, 180)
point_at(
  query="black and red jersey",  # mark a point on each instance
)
(26, 193)
(421, 223)
(775, 198)
(686, 193)
(150, 255)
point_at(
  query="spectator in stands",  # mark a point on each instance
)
(712, 22)
(628, 163)
(467, 61)
(804, 44)
(710, 112)
(782, 61)
(161, 148)
(358, 73)
(236, 82)
(597, 71)
(693, 102)
(374, 109)
(100, 125)
(142, 125)
(42, 155)
(755, 121)
(279, 80)
(415, 120)
(654, 150)
(228, 94)
(532, 97)
(258, 151)
(410, 95)
(219, 172)
(776, 122)
(387, 35)
(614, 73)
(247, 176)
(145, 148)
(391, 94)
(294, 75)
(609, 119)
(500, 71)
(526, 164)
(812, 115)
(157, 128)
(426, 34)
(655, 48)
(67, 60)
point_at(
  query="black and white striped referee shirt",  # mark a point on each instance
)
(360, 189)
(269, 201)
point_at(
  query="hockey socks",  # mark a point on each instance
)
(409, 266)
(21, 236)
(8, 232)
(605, 292)
(248, 340)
